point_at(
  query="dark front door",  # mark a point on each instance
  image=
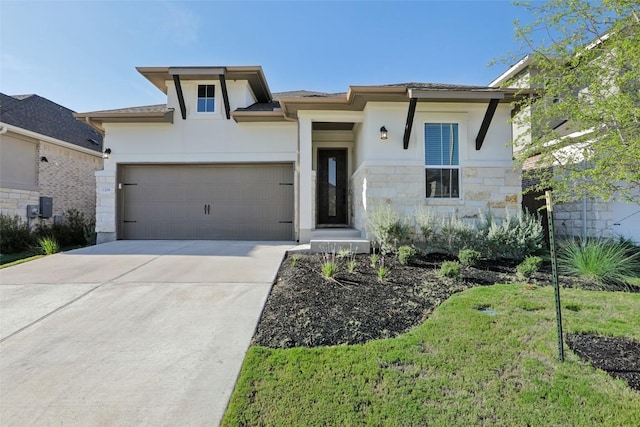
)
(332, 187)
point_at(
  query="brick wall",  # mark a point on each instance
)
(68, 177)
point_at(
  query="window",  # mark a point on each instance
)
(206, 98)
(441, 159)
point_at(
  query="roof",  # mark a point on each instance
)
(40, 115)
(512, 71)
(306, 94)
(282, 106)
(253, 74)
(158, 108)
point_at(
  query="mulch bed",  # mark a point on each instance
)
(619, 357)
(305, 309)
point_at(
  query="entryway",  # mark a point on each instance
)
(332, 188)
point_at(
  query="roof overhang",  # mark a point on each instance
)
(5, 127)
(159, 76)
(96, 119)
(514, 70)
(358, 96)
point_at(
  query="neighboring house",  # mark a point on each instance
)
(225, 158)
(48, 159)
(586, 217)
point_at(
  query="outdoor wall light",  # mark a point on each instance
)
(106, 153)
(383, 133)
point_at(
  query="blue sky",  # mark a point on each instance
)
(83, 54)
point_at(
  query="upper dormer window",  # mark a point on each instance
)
(206, 98)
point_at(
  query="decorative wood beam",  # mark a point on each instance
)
(225, 95)
(484, 127)
(409, 125)
(183, 108)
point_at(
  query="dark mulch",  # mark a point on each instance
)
(305, 309)
(619, 357)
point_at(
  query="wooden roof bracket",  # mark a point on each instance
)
(484, 127)
(183, 108)
(225, 95)
(407, 127)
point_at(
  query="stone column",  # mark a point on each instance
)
(306, 182)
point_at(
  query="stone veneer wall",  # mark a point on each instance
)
(403, 187)
(14, 202)
(68, 177)
(569, 221)
(105, 205)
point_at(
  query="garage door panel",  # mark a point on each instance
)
(208, 202)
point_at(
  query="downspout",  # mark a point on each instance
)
(584, 218)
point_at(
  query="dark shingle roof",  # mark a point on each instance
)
(306, 94)
(262, 106)
(158, 108)
(441, 86)
(38, 114)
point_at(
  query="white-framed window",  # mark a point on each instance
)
(442, 160)
(206, 99)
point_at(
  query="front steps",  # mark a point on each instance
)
(334, 240)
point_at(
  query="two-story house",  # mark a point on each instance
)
(225, 158)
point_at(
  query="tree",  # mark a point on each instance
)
(583, 112)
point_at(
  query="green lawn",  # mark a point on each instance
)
(7, 260)
(461, 367)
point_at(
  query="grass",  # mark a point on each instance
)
(7, 260)
(600, 260)
(461, 367)
(48, 245)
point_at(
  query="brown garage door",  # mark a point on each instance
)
(235, 202)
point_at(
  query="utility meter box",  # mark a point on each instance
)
(32, 211)
(46, 207)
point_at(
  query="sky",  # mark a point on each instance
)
(83, 54)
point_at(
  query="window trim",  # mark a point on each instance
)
(458, 166)
(215, 98)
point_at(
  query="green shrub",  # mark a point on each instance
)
(528, 267)
(373, 260)
(426, 222)
(600, 260)
(344, 253)
(469, 257)
(351, 265)
(49, 245)
(329, 269)
(406, 254)
(450, 270)
(329, 266)
(75, 230)
(454, 235)
(383, 272)
(513, 237)
(294, 260)
(388, 229)
(14, 234)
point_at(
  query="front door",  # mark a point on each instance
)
(332, 187)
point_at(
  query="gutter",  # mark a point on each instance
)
(7, 127)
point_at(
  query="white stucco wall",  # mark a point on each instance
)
(209, 138)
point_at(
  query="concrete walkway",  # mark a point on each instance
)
(130, 333)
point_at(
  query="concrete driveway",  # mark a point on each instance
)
(130, 332)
